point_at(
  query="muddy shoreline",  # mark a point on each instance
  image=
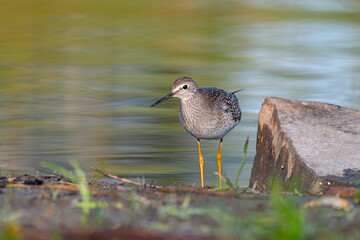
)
(41, 207)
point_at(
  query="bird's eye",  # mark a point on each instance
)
(185, 86)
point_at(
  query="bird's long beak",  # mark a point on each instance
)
(170, 95)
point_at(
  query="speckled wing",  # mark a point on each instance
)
(232, 106)
(227, 101)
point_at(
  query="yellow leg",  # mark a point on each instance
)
(218, 158)
(201, 163)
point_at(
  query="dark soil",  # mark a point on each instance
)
(37, 208)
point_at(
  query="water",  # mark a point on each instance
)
(78, 78)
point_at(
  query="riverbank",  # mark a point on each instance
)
(53, 207)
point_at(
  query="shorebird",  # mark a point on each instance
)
(205, 113)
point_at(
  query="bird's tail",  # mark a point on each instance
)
(236, 91)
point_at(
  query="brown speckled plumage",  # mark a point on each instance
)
(206, 113)
(210, 114)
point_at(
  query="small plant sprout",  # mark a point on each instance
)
(86, 204)
(79, 177)
(243, 161)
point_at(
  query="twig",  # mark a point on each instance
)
(125, 180)
(61, 187)
(195, 190)
(162, 188)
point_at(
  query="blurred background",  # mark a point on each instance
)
(77, 78)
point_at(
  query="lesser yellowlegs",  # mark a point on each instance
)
(206, 113)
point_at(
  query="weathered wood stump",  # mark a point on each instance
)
(309, 144)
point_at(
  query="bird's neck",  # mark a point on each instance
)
(192, 104)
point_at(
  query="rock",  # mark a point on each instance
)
(312, 145)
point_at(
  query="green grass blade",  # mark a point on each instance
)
(86, 203)
(243, 161)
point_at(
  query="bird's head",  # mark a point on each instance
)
(183, 88)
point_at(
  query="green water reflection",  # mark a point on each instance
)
(77, 77)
